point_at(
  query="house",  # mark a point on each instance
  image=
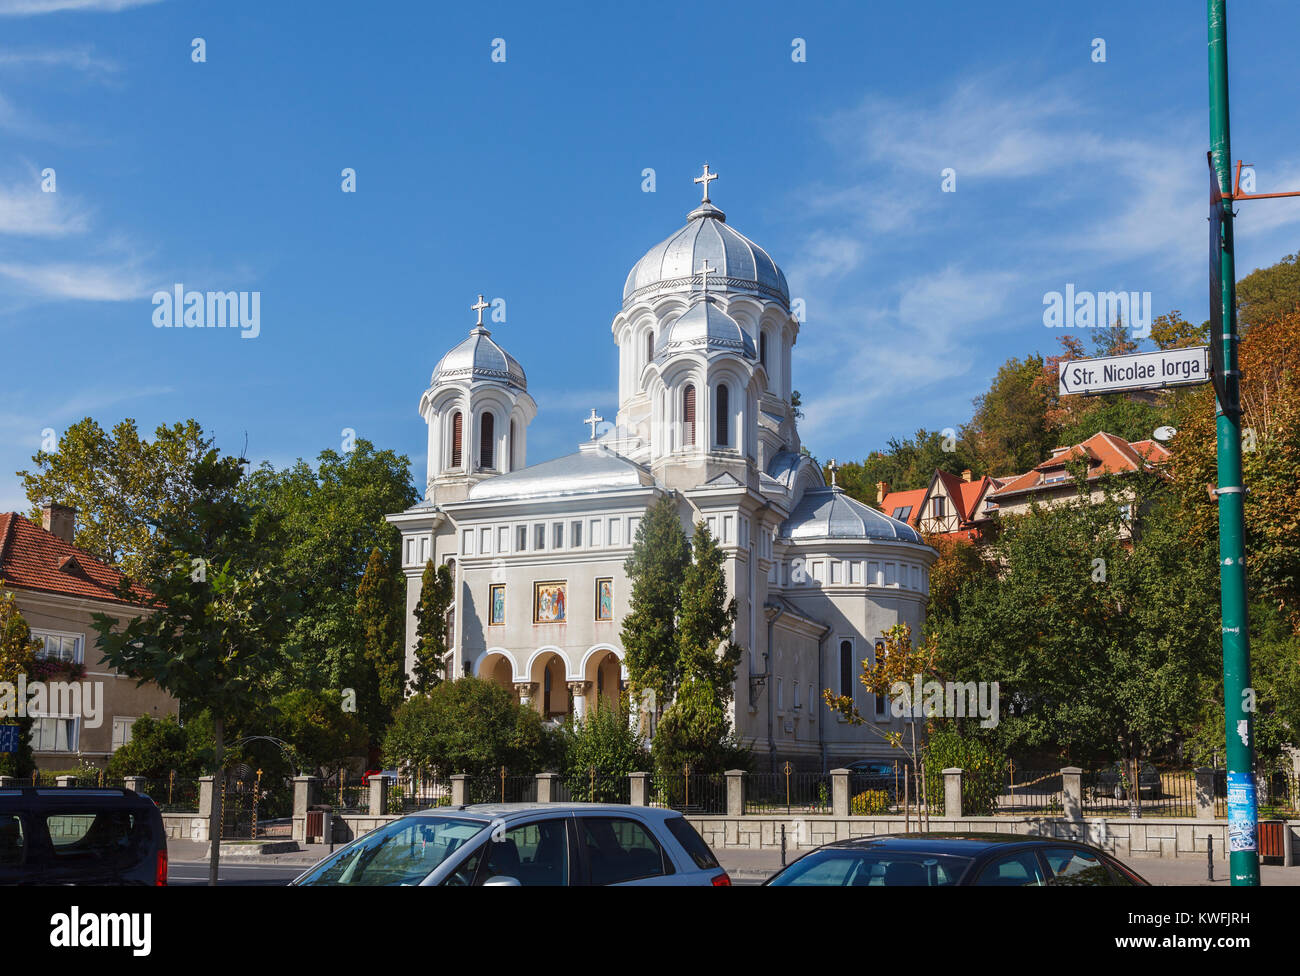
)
(950, 506)
(58, 589)
(1051, 482)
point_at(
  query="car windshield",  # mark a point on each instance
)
(403, 852)
(868, 868)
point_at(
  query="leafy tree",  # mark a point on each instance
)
(379, 611)
(471, 726)
(656, 567)
(959, 560)
(1172, 331)
(17, 658)
(707, 619)
(1268, 294)
(160, 746)
(1010, 428)
(322, 734)
(695, 729)
(1131, 419)
(120, 485)
(218, 615)
(436, 593)
(607, 741)
(982, 766)
(906, 463)
(1114, 340)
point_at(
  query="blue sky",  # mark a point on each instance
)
(522, 180)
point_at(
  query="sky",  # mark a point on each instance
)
(522, 179)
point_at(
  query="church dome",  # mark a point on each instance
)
(672, 266)
(829, 513)
(479, 357)
(705, 326)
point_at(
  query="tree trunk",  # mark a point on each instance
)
(214, 823)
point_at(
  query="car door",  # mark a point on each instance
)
(15, 849)
(1076, 867)
(1016, 869)
(537, 852)
(619, 849)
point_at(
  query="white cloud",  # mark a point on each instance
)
(27, 211)
(78, 58)
(85, 281)
(27, 8)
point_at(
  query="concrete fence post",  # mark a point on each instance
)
(640, 789)
(209, 799)
(1204, 793)
(952, 792)
(459, 789)
(735, 792)
(546, 787)
(8, 782)
(378, 805)
(840, 792)
(136, 784)
(1072, 792)
(65, 781)
(306, 793)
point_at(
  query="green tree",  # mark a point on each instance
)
(17, 658)
(608, 741)
(660, 556)
(707, 619)
(379, 612)
(218, 614)
(121, 485)
(471, 726)
(160, 746)
(695, 729)
(1172, 331)
(1267, 294)
(1010, 428)
(436, 594)
(323, 735)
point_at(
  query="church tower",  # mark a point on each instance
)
(705, 338)
(477, 409)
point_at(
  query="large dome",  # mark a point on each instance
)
(829, 513)
(672, 267)
(478, 357)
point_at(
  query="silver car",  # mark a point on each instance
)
(512, 844)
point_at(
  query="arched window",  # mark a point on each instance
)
(649, 347)
(762, 349)
(457, 424)
(688, 415)
(486, 440)
(846, 668)
(723, 415)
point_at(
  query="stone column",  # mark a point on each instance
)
(1072, 792)
(378, 796)
(640, 789)
(735, 792)
(306, 793)
(546, 787)
(952, 793)
(840, 792)
(579, 690)
(459, 789)
(1204, 793)
(526, 690)
(134, 783)
(65, 781)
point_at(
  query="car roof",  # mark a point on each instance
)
(967, 844)
(88, 796)
(516, 811)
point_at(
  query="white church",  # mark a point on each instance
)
(704, 337)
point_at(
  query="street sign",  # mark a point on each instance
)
(9, 738)
(1141, 371)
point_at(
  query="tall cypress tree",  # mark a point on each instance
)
(436, 592)
(707, 618)
(379, 606)
(660, 556)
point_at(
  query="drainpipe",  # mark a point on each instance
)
(767, 669)
(821, 702)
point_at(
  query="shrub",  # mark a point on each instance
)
(605, 741)
(869, 802)
(981, 764)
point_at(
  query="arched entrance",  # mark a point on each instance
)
(497, 668)
(551, 696)
(602, 682)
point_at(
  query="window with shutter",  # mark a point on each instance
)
(486, 440)
(688, 415)
(456, 437)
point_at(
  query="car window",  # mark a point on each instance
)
(462, 876)
(619, 850)
(402, 852)
(692, 842)
(105, 835)
(872, 868)
(13, 844)
(1076, 866)
(1015, 870)
(535, 853)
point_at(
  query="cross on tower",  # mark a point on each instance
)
(833, 467)
(704, 272)
(594, 419)
(478, 307)
(705, 179)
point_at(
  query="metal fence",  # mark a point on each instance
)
(787, 792)
(692, 792)
(417, 791)
(1030, 792)
(593, 785)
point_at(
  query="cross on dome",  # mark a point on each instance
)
(478, 307)
(704, 272)
(594, 419)
(833, 467)
(705, 179)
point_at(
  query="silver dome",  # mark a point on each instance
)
(829, 513)
(478, 357)
(671, 267)
(705, 326)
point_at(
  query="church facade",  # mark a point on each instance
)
(705, 416)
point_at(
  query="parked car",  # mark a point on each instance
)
(388, 774)
(515, 844)
(878, 774)
(59, 836)
(955, 859)
(1110, 782)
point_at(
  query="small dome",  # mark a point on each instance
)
(829, 513)
(478, 357)
(672, 266)
(705, 326)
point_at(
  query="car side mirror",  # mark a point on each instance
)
(501, 881)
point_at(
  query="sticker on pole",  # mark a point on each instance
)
(1143, 371)
(9, 738)
(1241, 812)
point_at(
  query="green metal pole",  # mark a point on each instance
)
(1243, 855)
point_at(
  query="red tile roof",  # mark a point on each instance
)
(902, 499)
(1105, 454)
(34, 559)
